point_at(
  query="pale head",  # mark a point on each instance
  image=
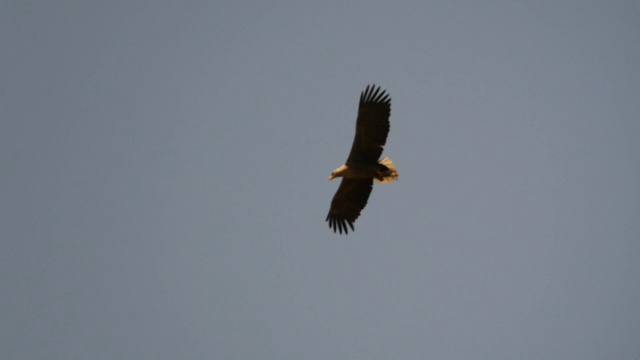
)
(338, 172)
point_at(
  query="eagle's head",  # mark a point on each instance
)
(338, 172)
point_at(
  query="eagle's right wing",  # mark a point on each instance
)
(349, 200)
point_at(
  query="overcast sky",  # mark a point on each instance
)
(164, 170)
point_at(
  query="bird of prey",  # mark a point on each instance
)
(363, 164)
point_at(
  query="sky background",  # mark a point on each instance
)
(164, 172)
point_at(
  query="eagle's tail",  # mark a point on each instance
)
(387, 171)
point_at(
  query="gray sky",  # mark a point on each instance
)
(165, 164)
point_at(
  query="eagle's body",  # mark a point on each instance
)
(363, 164)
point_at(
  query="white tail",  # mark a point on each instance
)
(389, 175)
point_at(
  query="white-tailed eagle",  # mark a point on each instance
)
(363, 164)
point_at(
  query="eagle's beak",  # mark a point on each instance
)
(331, 177)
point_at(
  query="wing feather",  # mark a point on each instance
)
(349, 200)
(372, 126)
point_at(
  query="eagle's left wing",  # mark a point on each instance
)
(372, 126)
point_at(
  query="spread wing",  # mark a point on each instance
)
(349, 200)
(372, 126)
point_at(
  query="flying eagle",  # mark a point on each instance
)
(363, 164)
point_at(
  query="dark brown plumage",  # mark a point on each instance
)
(363, 164)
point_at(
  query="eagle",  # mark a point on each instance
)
(363, 164)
